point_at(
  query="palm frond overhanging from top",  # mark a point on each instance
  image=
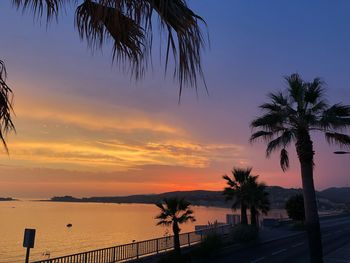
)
(6, 96)
(129, 23)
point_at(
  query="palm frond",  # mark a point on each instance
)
(270, 121)
(39, 7)
(176, 17)
(296, 88)
(164, 222)
(314, 91)
(335, 117)
(277, 98)
(230, 181)
(95, 22)
(321, 105)
(6, 97)
(280, 142)
(342, 140)
(160, 206)
(265, 135)
(241, 174)
(284, 160)
(187, 216)
(271, 107)
(183, 205)
(129, 23)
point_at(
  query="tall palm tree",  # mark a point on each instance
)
(6, 124)
(235, 191)
(129, 24)
(290, 117)
(257, 199)
(174, 212)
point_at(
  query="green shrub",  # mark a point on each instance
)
(243, 233)
(209, 246)
(295, 208)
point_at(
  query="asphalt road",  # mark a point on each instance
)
(335, 234)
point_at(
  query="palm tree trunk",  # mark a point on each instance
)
(305, 154)
(244, 218)
(253, 216)
(176, 231)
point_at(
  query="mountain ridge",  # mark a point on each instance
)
(330, 198)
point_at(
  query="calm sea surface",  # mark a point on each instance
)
(95, 225)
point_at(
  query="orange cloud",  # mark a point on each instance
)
(118, 156)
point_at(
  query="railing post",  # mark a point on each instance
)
(137, 250)
(114, 254)
(188, 237)
(157, 245)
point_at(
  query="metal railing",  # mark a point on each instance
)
(138, 249)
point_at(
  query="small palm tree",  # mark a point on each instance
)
(235, 191)
(174, 212)
(6, 124)
(290, 117)
(257, 199)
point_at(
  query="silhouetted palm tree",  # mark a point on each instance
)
(174, 212)
(290, 118)
(6, 124)
(257, 199)
(129, 23)
(235, 191)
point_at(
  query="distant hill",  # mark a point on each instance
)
(330, 198)
(336, 194)
(7, 199)
(198, 197)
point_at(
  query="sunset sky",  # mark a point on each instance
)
(84, 128)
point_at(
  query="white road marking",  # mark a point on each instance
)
(278, 252)
(298, 244)
(257, 260)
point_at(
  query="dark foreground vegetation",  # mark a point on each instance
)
(211, 246)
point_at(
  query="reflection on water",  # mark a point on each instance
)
(94, 225)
